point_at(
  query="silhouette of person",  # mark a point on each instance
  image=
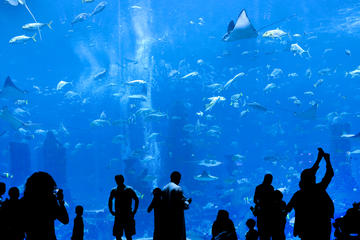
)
(223, 228)
(78, 229)
(278, 216)
(156, 205)
(2, 218)
(252, 234)
(174, 203)
(313, 206)
(124, 215)
(2, 192)
(263, 203)
(12, 215)
(42, 204)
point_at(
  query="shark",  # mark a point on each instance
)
(242, 29)
(11, 91)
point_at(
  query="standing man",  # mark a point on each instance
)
(174, 204)
(124, 215)
(263, 199)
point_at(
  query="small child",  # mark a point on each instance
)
(252, 234)
(223, 228)
(156, 204)
(78, 230)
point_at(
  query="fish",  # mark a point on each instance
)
(293, 75)
(213, 101)
(13, 2)
(100, 75)
(276, 33)
(242, 29)
(354, 73)
(257, 106)
(310, 93)
(205, 177)
(11, 91)
(350, 135)
(318, 83)
(80, 18)
(62, 84)
(136, 82)
(87, 1)
(348, 52)
(36, 26)
(297, 50)
(153, 136)
(228, 84)
(100, 123)
(269, 86)
(156, 115)
(22, 39)
(192, 74)
(99, 8)
(138, 97)
(276, 73)
(210, 163)
(14, 122)
(357, 151)
(6, 175)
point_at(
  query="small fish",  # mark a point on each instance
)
(61, 84)
(100, 75)
(138, 97)
(80, 18)
(348, 52)
(87, 1)
(192, 74)
(276, 33)
(354, 73)
(276, 73)
(6, 175)
(99, 8)
(227, 85)
(269, 86)
(100, 123)
(136, 82)
(213, 101)
(36, 26)
(297, 50)
(310, 93)
(22, 39)
(318, 83)
(293, 75)
(210, 163)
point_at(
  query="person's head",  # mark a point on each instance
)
(307, 179)
(119, 179)
(268, 179)
(278, 195)
(39, 185)
(79, 210)
(222, 215)
(250, 223)
(175, 177)
(14, 193)
(157, 192)
(2, 188)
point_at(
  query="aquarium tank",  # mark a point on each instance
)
(222, 91)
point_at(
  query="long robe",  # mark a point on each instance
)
(174, 203)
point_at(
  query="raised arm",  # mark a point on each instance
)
(110, 203)
(329, 174)
(315, 167)
(62, 214)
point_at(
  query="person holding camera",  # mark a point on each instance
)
(312, 204)
(41, 205)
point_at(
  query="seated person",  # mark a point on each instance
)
(223, 228)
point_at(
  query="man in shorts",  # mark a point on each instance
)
(124, 214)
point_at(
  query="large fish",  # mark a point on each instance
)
(242, 29)
(99, 8)
(10, 91)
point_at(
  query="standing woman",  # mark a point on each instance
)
(42, 204)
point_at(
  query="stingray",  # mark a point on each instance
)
(309, 114)
(10, 91)
(14, 122)
(243, 28)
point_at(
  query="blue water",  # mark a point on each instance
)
(160, 42)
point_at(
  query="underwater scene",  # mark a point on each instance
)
(223, 92)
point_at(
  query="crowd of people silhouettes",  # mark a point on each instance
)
(32, 217)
